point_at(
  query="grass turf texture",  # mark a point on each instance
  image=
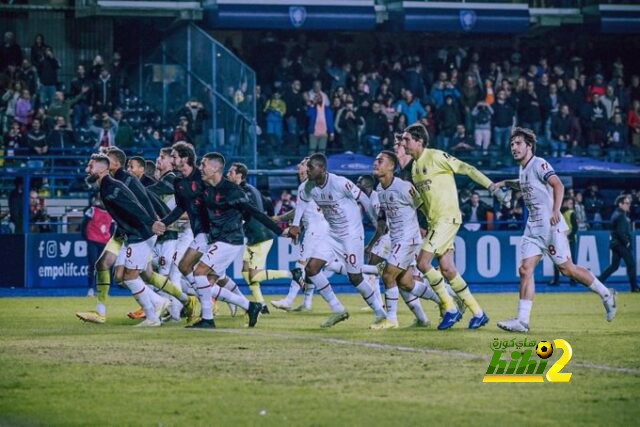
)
(58, 371)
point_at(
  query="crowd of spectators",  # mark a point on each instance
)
(41, 115)
(349, 99)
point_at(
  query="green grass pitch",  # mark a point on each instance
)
(55, 370)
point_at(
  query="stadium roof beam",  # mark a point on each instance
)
(184, 10)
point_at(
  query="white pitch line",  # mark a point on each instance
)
(425, 350)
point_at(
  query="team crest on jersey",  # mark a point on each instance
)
(391, 197)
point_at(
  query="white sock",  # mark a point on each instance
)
(155, 297)
(599, 288)
(191, 279)
(391, 302)
(143, 296)
(370, 269)
(374, 281)
(232, 286)
(524, 310)
(224, 294)
(366, 290)
(101, 309)
(203, 288)
(294, 287)
(429, 293)
(321, 283)
(413, 302)
(308, 294)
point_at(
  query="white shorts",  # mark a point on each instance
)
(403, 253)
(185, 237)
(349, 250)
(138, 255)
(200, 243)
(555, 244)
(121, 256)
(164, 256)
(220, 255)
(311, 240)
(382, 246)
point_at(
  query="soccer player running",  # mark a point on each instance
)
(226, 206)
(135, 223)
(259, 240)
(432, 175)
(545, 231)
(340, 202)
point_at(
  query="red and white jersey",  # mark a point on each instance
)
(312, 220)
(338, 200)
(399, 202)
(538, 195)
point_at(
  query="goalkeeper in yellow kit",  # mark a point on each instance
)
(432, 175)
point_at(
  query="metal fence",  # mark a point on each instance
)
(188, 64)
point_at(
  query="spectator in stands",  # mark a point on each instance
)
(48, 73)
(561, 136)
(470, 95)
(399, 123)
(593, 204)
(474, 213)
(181, 132)
(104, 92)
(153, 140)
(196, 114)
(317, 90)
(96, 67)
(11, 97)
(461, 142)
(593, 123)
(410, 107)
(81, 112)
(447, 118)
(320, 125)
(105, 134)
(38, 51)
(10, 52)
(581, 214)
(376, 129)
(37, 138)
(38, 214)
(482, 114)
(275, 110)
(633, 121)
(610, 102)
(295, 114)
(529, 111)
(348, 125)
(512, 217)
(123, 131)
(15, 201)
(634, 89)
(62, 107)
(573, 96)
(617, 139)
(24, 110)
(13, 142)
(96, 230)
(284, 204)
(61, 136)
(503, 121)
(118, 75)
(27, 73)
(596, 88)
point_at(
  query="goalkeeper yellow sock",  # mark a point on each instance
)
(271, 274)
(164, 284)
(436, 280)
(461, 288)
(103, 282)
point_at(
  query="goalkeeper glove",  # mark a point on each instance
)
(503, 196)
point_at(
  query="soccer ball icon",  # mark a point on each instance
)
(544, 349)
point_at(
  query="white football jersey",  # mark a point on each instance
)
(337, 199)
(399, 202)
(538, 194)
(312, 219)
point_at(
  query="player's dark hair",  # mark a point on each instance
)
(367, 180)
(241, 169)
(621, 198)
(215, 156)
(528, 135)
(397, 137)
(184, 149)
(166, 151)
(319, 158)
(418, 131)
(392, 156)
(101, 158)
(118, 154)
(139, 160)
(149, 167)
